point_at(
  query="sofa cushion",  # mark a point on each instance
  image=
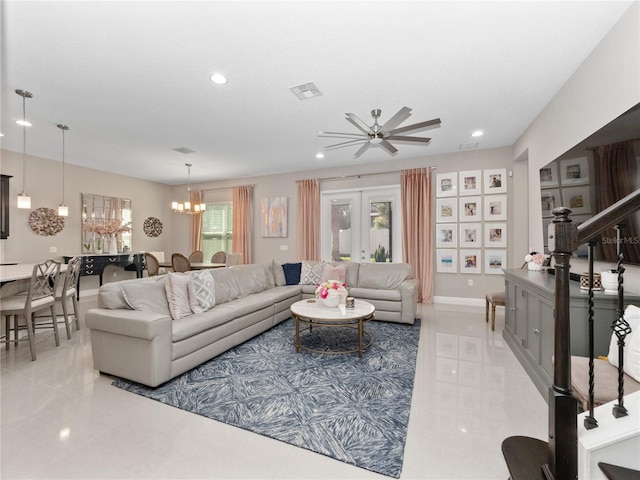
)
(292, 273)
(383, 276)
(278, 274)
(333, 272)
(310, 273)
(226, 286)
(146, 295)
(193, 325)
(252, 278)
(202, 292)
(177, 287)
(631, 364)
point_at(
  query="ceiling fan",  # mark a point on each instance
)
(381, 136)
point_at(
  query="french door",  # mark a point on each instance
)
(361, 225)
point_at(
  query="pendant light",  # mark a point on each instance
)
(63, 210)
(186, 206)
(24, 200)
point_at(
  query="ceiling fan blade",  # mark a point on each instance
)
(342, 135)
(417, 126)
(359, 124)
(362, 149)
(344, 144)
(397, 119)
(404, 139)
(386, 146)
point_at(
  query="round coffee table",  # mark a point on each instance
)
(313, 313)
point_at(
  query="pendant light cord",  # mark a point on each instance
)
(63, 165)
(24, 143)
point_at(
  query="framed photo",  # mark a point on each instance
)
(447, 261)
(495, 181)
(274, 217)
(446, 210)
(446, 184)
(471, 235)
(470, 183)
(446, 235)
(495, 261)
(495, 208)
(471, 261)
(471, 209)
(550, 199)
(495, 235)
(549, 175)
(574, 171)
(577, 199)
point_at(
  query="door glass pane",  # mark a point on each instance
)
(340, 230)
(380, 231)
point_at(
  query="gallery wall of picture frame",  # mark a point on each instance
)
(565, 183)
(471, 228)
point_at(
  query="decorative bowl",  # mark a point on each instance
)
(331, 301)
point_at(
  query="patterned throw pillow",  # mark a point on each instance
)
(310, 273)
(178, 294)
(329, 272)
(292, 273)
(202, 292)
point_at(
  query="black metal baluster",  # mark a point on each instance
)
(589, 420)
(621, 328)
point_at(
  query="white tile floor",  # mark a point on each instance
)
(61, 419)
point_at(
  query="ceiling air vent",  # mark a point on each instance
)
(467, 146)
(305, 91)
(184, 150)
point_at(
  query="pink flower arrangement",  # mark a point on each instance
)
(110, 227)
(331, 288)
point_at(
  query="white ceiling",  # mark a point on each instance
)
(131, 79)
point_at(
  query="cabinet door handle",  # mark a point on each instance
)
(512, 309)
(535, 330)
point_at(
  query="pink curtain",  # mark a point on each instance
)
(241, 218)
(309, 219)
(417, 230)
(196, 222)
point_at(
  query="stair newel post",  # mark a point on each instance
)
(621, 327)
(589, 420)
(563, 408)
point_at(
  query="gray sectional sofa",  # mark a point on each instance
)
(138, 333)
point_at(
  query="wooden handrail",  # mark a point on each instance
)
(609, 217)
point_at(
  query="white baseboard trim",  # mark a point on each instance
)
(472, 302)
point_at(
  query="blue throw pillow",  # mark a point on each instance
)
(292, 272)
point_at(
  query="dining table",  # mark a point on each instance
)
(20, 271)
(196, 265)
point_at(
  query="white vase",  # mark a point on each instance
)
(113, 246)
(332, 301)
(609, 281)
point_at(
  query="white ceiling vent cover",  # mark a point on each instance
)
(184, 150)
(305, 91)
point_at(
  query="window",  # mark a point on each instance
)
(217, 228)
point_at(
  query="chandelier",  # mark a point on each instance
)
(63, 210)
(185, 207)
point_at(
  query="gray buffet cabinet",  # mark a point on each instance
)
(529, 323)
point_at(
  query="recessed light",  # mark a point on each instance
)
(24, 123)
(319, 155)
(477, 133)
(219, 79)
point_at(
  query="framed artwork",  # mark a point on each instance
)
(574, 171)
(577, 199)
(495, 235)
(495, 208)
(549, 175)
(495, 261)
(446, 235)
(447, 260)
(471, 209)
(550, 199)
(471, 261)
(471, 235)
(495, 181)
(446, 210)
(470, 183)
(446, 184)
(274, 217)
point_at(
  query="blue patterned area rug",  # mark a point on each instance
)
(351, 409)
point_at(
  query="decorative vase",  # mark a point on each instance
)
(332, 301)
(113, 246)
(609, 281)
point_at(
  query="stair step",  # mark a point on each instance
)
(525, 457)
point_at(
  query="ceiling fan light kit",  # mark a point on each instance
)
(381, 136)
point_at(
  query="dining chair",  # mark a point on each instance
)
(153, 265)
(39, 296)
(219, 257)
(180, 263)
(67, 291)
(196, 256)
(233, 259)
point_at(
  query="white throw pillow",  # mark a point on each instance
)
(202, 293)
(177, 286)
(631, 344)
(330, 272)
(311, 273)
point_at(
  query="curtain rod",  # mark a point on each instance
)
(227, 188)
(359, 175)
